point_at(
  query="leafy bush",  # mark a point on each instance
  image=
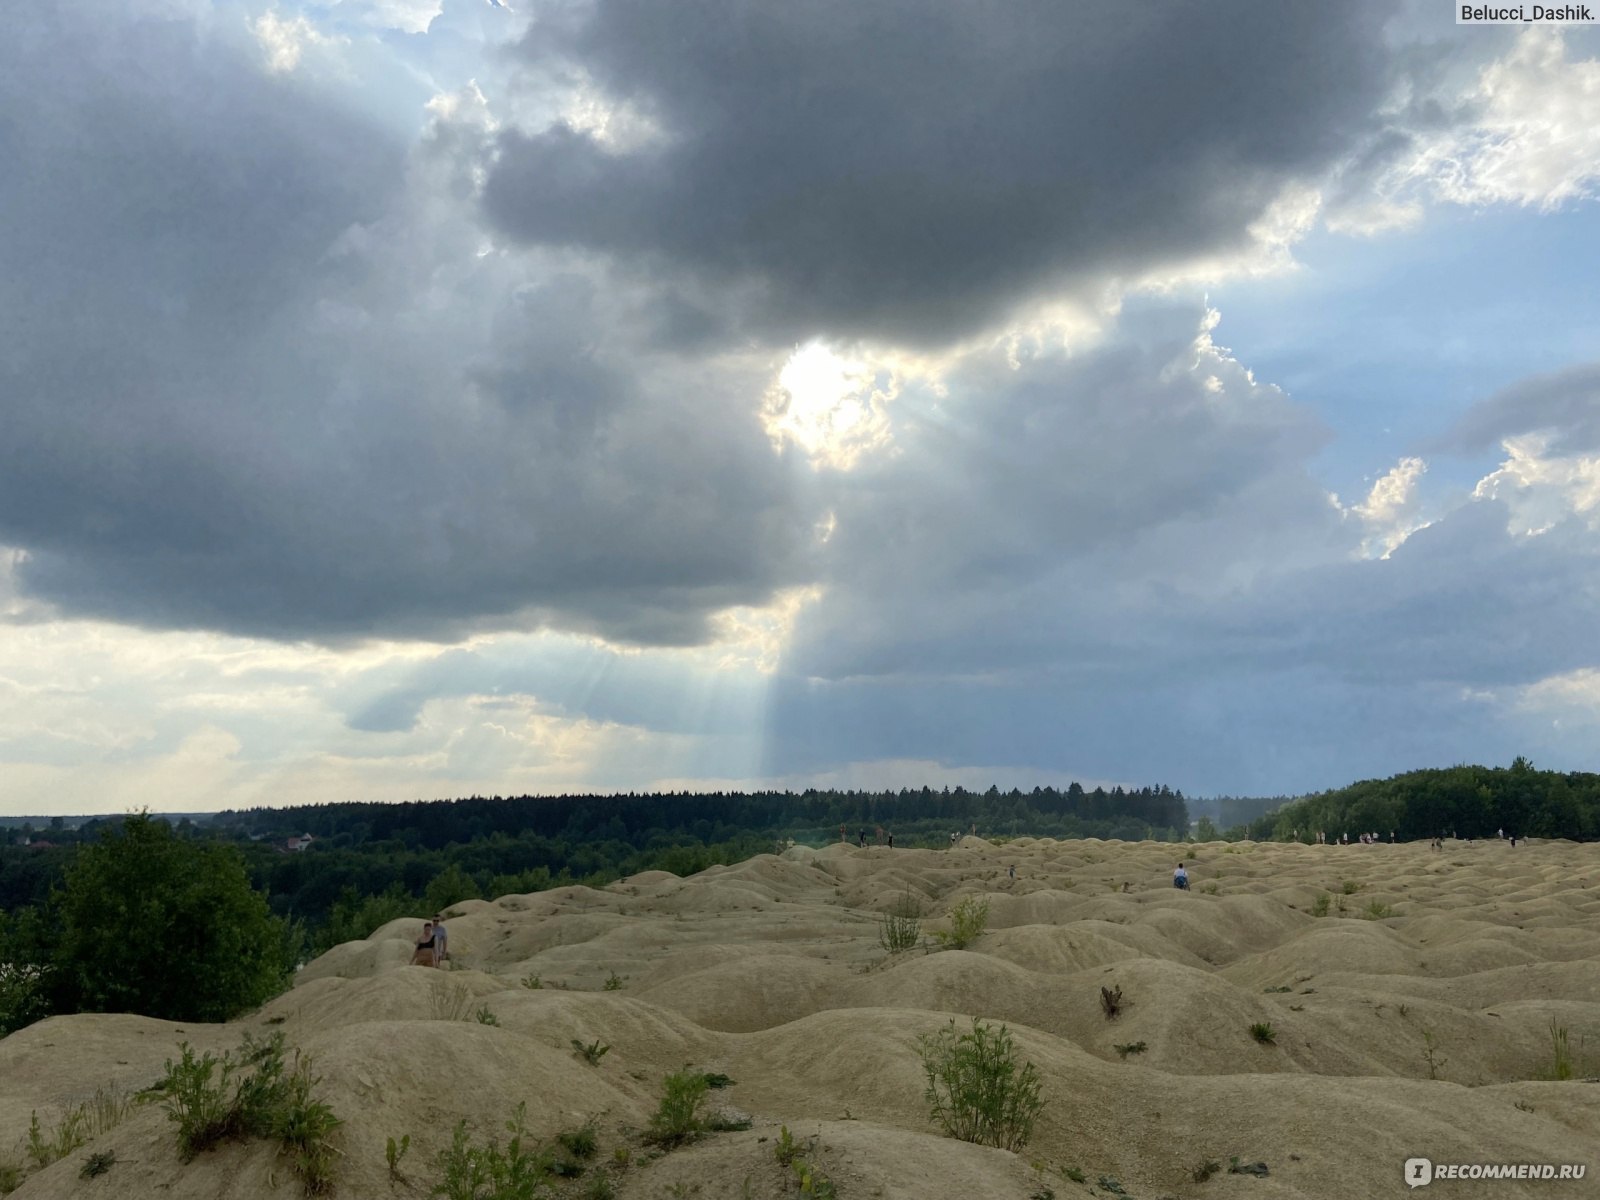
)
(1319, 906)
(677, 1119)
(976, 1090)
(1126, 1048)
(304, 1126)
(900, 928)
(613, 983)
(490, 1171)
(967, 922)
(485, 1016)
(264, 1102)
(1350, 887)
(1264, 1033)
(138, 894)
(1376, 911)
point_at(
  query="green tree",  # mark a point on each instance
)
(154, 924)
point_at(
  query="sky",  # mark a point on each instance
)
(420, 398)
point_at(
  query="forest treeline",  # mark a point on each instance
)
(1463, 801)
(436, 852)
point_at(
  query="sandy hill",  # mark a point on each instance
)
(1415, 1018)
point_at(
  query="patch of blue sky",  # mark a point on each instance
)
(1391, 338)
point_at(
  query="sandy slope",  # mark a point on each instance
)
(771, 972)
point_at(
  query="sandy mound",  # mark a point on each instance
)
(1421, 1015)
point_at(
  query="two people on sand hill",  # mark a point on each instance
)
(433, 947)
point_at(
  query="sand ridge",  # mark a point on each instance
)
(771, 971)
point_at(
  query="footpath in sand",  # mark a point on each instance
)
(1428, 1032)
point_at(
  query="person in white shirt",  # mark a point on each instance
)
(441, 944)
(1180, 878)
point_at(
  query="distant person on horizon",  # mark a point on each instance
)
(1180, 878)
(863, 840)
(891, 839)
(441, 940)
(423, 956)
(1012, 870)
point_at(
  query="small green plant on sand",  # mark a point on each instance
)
(977, 1090)
(1073, 1175)
(677, 1118)
(1560, 1053)
(1111, 1001)
(786, 1148)
(900, 927)
(1124, 1049)
(97, 1163)
(967, 922)
(1431, 1055)
(1319, 906)
(485, 1016)
(581, 1143)
(1205, 1170)
(450, 1002)
(532, 982)
(613, 982)
(1264, 1033)
(394, 1152)
(809, 1178)
(1376, 910)
(593, 1052)
(1350, 887)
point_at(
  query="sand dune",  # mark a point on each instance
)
(1427, 1031)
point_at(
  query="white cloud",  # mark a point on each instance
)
(1390, 511)
(1541, 489)
(285, 39)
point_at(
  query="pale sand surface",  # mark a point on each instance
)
(771, 972)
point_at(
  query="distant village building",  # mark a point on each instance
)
(297, 844)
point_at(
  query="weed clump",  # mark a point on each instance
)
(900, 928)
(1111, 1001)
(1124, 1049)
(592, 1053)
(490, 1171)
(968, 920)
(264, 1101)
(1319, 906)
(976, 1089)
(677, 1119)
(1264, 1033)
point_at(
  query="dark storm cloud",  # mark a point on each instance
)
(912, 169)
(259, 377)
(1564, 403)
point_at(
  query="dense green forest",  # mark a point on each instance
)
(1465, 801)
(441, 851)
(368, 863)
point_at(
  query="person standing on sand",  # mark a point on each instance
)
(441, 941)
(1180, 878)
(1012, 870)
(423, 955)
(891, 839)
